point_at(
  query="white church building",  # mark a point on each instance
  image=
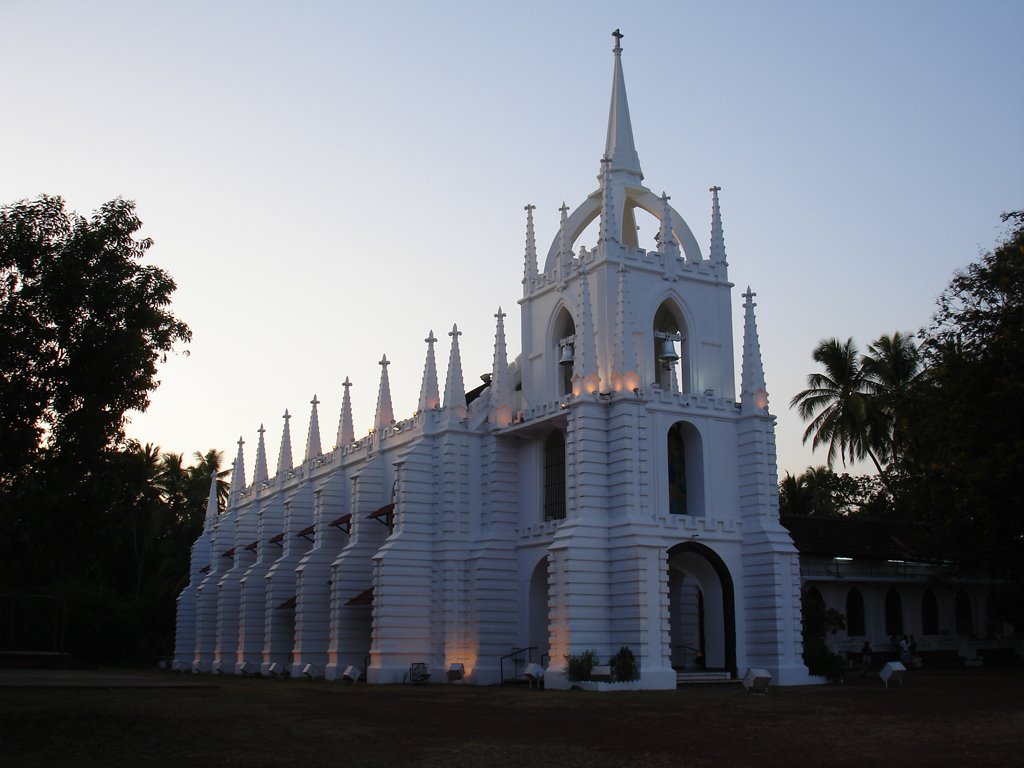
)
(609, 486)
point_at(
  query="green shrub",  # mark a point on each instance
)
(623, 665)
(578, 666)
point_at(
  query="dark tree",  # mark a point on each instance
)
(85, 324)
(969, 483)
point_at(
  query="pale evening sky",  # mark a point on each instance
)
(329, 181)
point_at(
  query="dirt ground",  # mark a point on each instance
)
(939, 718)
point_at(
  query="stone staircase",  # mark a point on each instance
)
(703, 677)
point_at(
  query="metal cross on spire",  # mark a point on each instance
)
(618, 41)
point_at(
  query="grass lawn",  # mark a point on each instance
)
(939, 718)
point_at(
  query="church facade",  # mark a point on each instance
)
(607, 487)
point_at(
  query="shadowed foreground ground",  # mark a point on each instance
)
(940, 718)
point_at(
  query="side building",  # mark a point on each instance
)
(608, 487)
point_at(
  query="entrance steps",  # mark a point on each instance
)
(703, 677)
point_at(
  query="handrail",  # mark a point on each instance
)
(515, 656)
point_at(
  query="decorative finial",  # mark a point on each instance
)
(455, 332)
(261, 430)
(564, 209)
(501, 315)
(618, 42)
(286, 416)
(431, 339)
(346, 384)
(240, 442)
(384, 361)
(314, 402)
(749, 296)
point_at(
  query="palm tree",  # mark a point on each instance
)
(894, 373)
(840, 407)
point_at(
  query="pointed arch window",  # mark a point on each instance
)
(564, 351)
(929, 613)
(554, 476)
(670, 344)
(893, 613)
(855, 613)
(964, 617)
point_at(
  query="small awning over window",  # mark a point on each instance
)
(306, 533)
(291, 602)
(277, 539)
(229, 553)
(385, 515)
(344, 523)
(205, 569)
(363, 598)
(252, 547)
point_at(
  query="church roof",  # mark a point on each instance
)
(861, 539)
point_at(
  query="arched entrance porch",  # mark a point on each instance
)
(702, 609)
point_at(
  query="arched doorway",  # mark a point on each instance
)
(537, 611)
(702, 609)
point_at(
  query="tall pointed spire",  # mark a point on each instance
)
(313, 438)
(585, 374)
(454, 388)
(346, 434)
(212, 508)
(666, 234)
(284, 456)
(259, 474)
(717, 252)
(625, 377)
(530, 266)
(237, 474)
(564, 245)
(385, 413)
(754, 393)
(430, 396)
(619, 147)
(501, 391)
(608, 229)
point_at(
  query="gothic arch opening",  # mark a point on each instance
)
(685, 457)
(964, 616)
(537, 611)
(893, 613)
(671, 348)
(563, 349)
(855, 613)
(702, 609)
(929, 613)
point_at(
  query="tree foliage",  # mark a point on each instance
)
(942, 419)
(85, 324)
(102, 523)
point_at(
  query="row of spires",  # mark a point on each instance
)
(430, 399)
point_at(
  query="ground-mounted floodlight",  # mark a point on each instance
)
(179, 666)
(243, 669)
(351, 674)
(456, 672)
(309, 671)
(276, 670)
(893, 672)
(756, 680)
(218, 668)
(535, 674)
